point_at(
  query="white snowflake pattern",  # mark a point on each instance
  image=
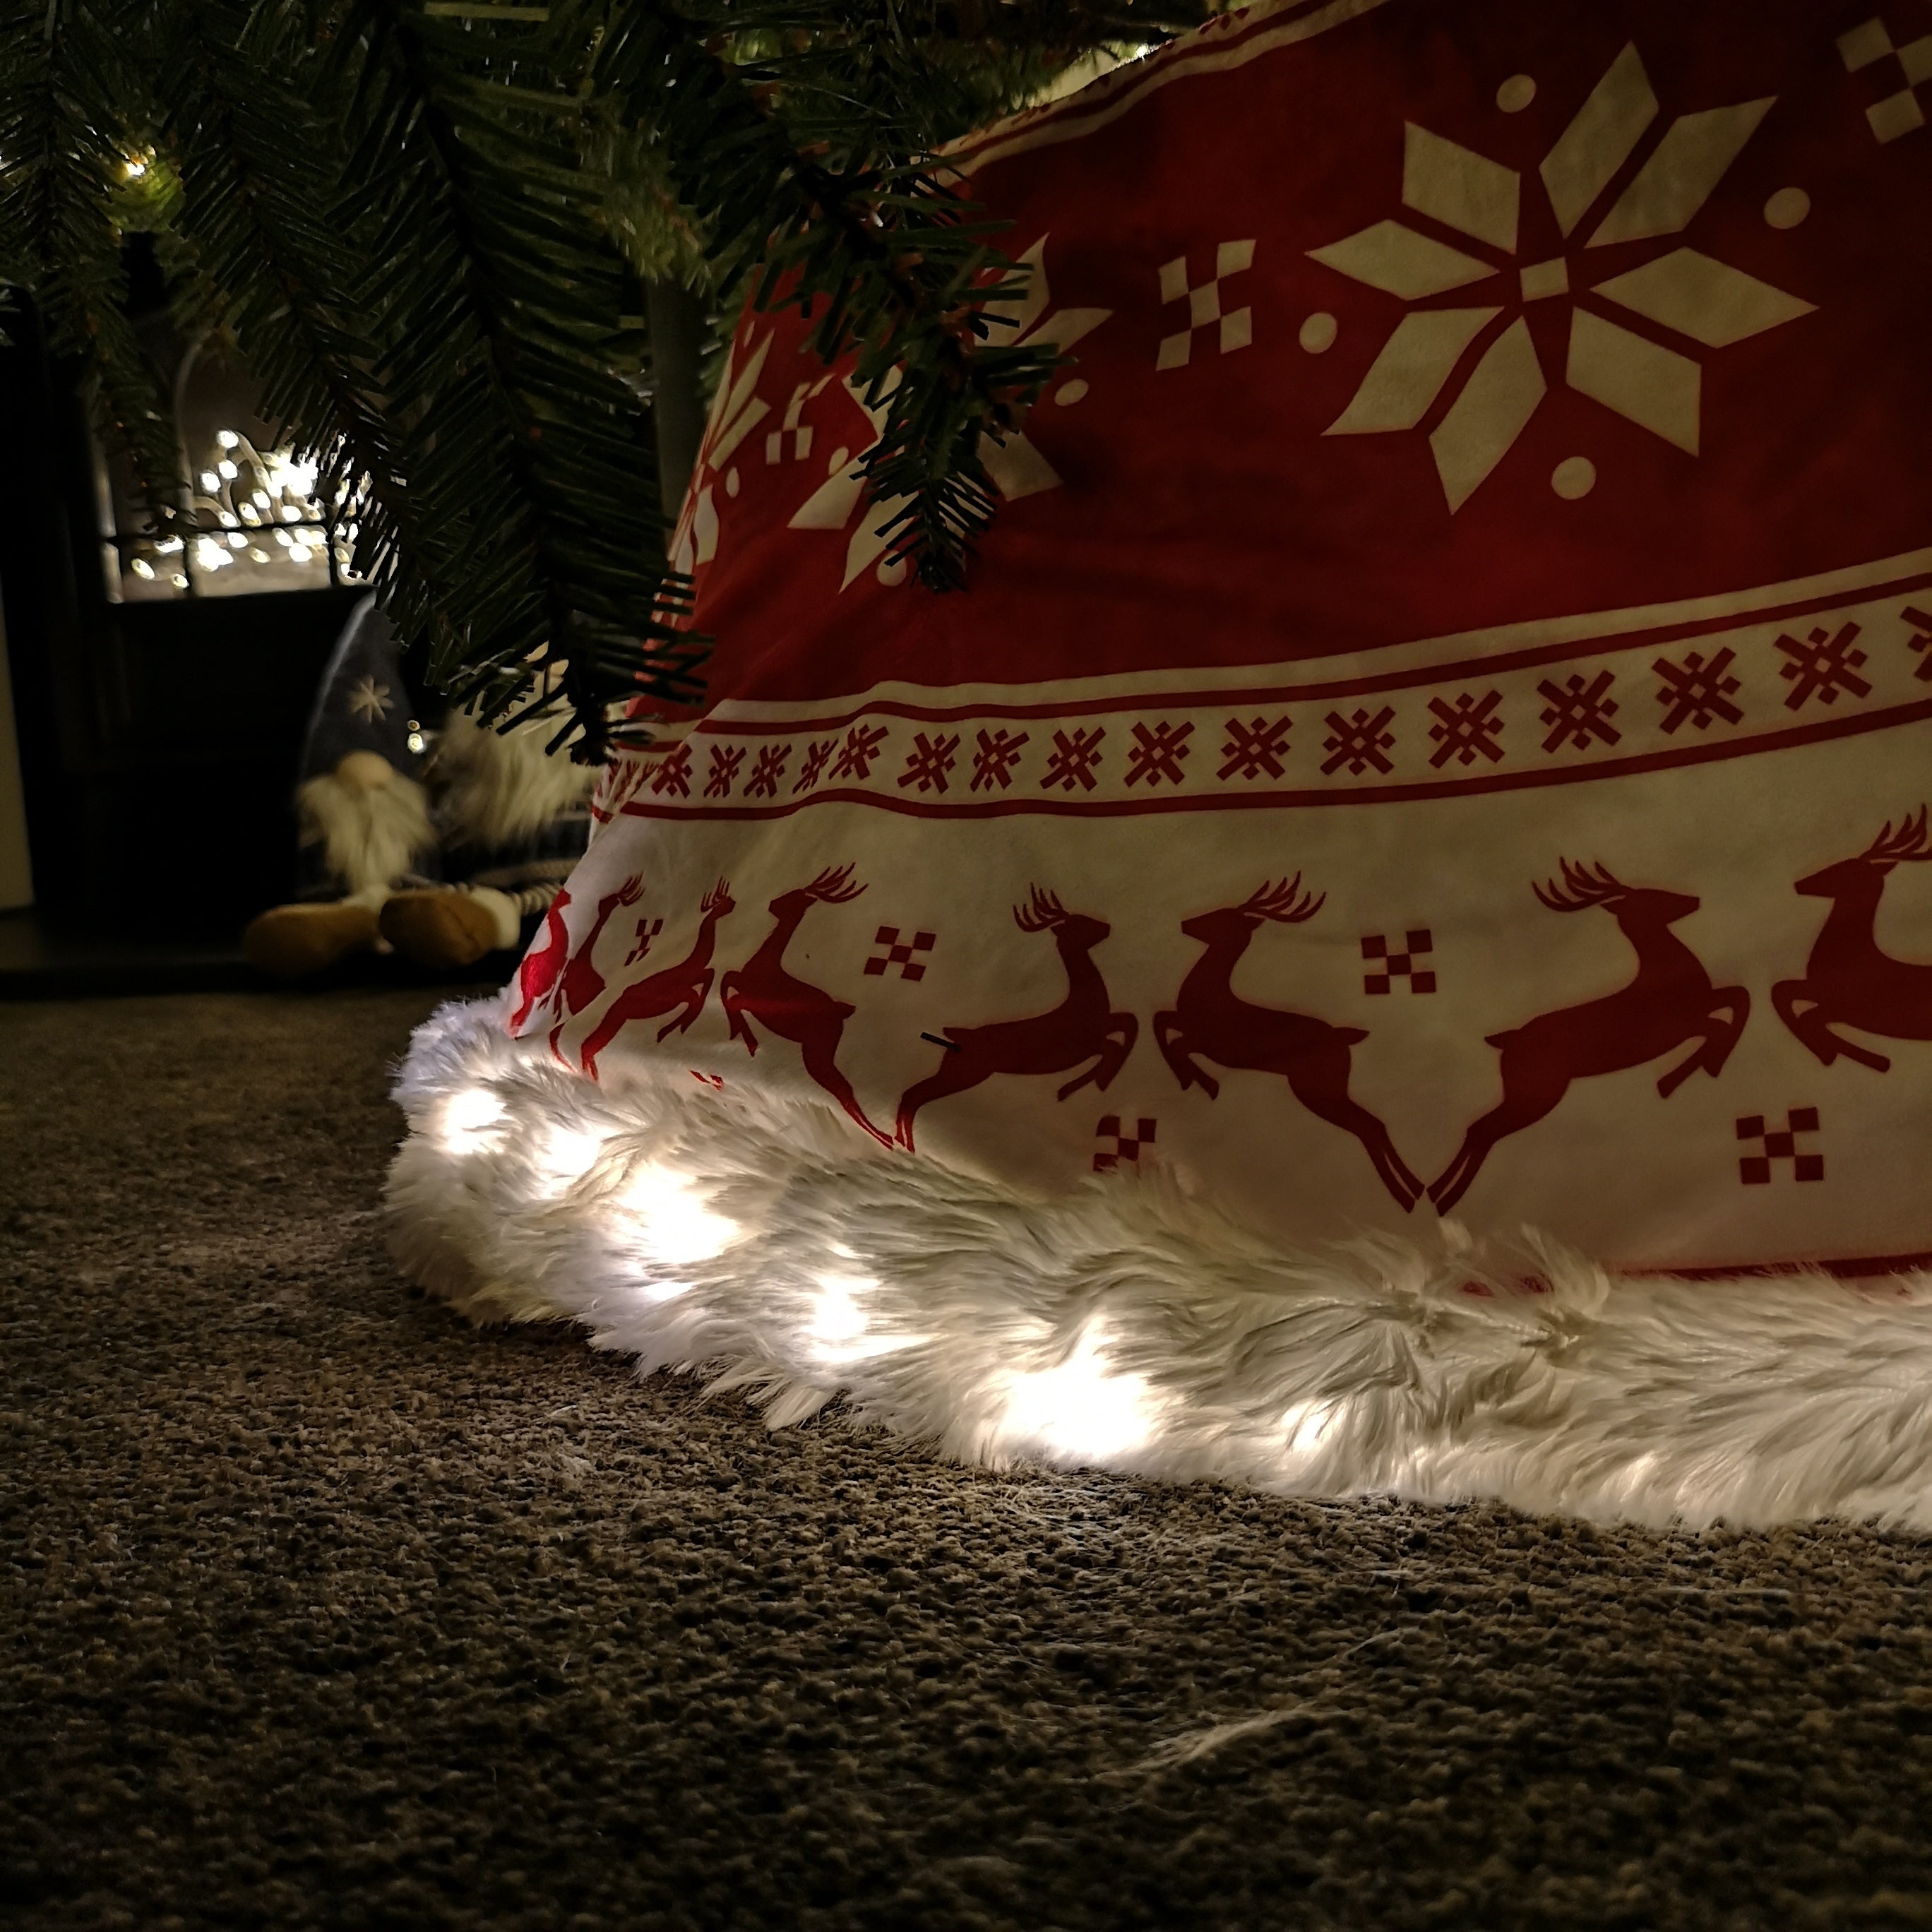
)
(737, 411)
(368, 700)
(1683, 291)
(1016, 465)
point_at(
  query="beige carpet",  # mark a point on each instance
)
(318, 1609)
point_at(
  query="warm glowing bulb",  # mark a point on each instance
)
(236, 541)
(134, 167)
(226, 438)
(258, 556)
(210, 481)
(1079, 1409)
(298, 552)
(467, 1119)
(225, 468)
(141, 568)
(568, 1153)
(676, 1223)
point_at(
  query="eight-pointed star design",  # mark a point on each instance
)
(1685, 292)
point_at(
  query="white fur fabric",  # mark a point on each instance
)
(497, 787)
(1124, 1326)
(371, 835)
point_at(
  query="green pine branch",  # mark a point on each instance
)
(69, 86)
(414, 216)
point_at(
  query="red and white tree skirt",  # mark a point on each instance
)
(1437, 747)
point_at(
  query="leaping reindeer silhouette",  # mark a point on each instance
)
(543, 965)
(1208, 1017)
(1671, 1000)
(807, 1015)
(680, 990)
(1848, 981)
(1082, 1027)
(581, 983)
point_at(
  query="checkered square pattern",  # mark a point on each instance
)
(1755, 1170)
(1902, 110)
(1386, 967)
(1235, 327)
(900, 952)
(1126, 1148)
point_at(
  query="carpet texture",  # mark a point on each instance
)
(322, 1610)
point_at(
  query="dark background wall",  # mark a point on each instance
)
(158, 741)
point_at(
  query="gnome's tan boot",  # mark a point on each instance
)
(293, 941)
(441, 929)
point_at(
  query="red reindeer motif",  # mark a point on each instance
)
(1209, 1018)
(1670, 1001)
(686, 986)
(1082, 1028)
(543, 965)
(581, 983)
(807, 1015)
(1848, 981)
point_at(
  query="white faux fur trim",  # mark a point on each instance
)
(1126, 1327)
(371, 835)
(496, 786)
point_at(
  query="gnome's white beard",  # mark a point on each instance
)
(372, 825)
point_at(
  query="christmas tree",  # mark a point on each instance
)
(428, 228)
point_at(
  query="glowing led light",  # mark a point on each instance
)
(568, 1154)
(841, 1331)
(1304, 1425)
(258, 556)
(298, 552)
(133, 167)
(1077, 1409)
(179, 582)
(837, 1319)
(250, 514)
(226, 438)
(169, 545)
(467, 1118)
(141, 567)
(225, 468)
(210, 481)
(676, 1224)
(236, 541)
(836, 1316)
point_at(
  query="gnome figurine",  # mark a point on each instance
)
(441, 846)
